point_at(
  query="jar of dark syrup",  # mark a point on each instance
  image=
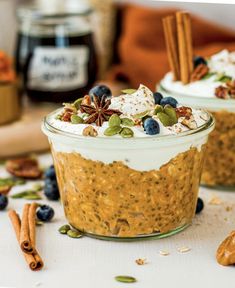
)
(55, 52)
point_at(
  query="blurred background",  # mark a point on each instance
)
(53, 51)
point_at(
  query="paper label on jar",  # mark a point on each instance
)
(58, 69)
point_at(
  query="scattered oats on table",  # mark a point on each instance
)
(164, 253)
(215, 200)
(183, 249)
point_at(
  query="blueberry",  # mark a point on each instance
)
(197, 60)
(45, 213)
(3, 201)
(144, 118)
(151, 126)
(51, 190)
(170, 101)
(50, 173)
(200, 205)
(157, 97)
(100, 90)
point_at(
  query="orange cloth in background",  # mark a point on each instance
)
(141, 45)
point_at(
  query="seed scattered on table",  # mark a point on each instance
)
(184, 249)
(164, 252)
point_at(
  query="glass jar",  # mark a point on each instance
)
(55, 53)
(125, 189)
(219, 165)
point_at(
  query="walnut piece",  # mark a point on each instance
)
(225, 254)
(199, 72)
(89, 131)
(183, 112)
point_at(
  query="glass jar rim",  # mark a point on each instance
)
(32, 12)
(205, 102)
(50, 130)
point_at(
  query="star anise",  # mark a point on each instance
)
(99, 112)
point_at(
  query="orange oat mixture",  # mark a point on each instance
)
(115, 200)
(219, 166)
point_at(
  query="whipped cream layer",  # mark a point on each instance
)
(130, 105)
(220, 63)
(142, 158)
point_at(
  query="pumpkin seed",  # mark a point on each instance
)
(141, 115)
(158, 108)
(114, 120)
(75, 119)
(126, 132)
(125, 279)
(37, 187)
(164, 118)
(77, 103)
(38, 222)
(34, 196)
(223, 78)
(110, 131)
(25, 194)
(170, 111)
(208, 75)
(128, 91)
(74, 234)
(64, 229)
(128, 122)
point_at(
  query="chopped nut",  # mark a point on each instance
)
(66, 116)
(89, 131)
(164, 253)
(86, 100)
(221, 92)
(184, 249)
(199, 72)
(183, 112)
(231, 88)
(140, 261)
(190, 123)
(215, 200)
(24, 167)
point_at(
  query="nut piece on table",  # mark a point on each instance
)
(24, 168)
(225, 254)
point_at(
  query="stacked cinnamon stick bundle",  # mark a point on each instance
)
(178, 37)
(25, 230)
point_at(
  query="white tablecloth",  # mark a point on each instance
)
(90, 263)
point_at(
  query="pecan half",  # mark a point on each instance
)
(221, 92)
(183, 112)
(226, 252)
(199, 72)
(24, 168)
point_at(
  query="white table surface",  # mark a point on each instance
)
(90, 263)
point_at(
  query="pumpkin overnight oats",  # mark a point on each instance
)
(128, 166)
(214, 91)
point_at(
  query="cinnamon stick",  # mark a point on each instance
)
(188, 40)
(25, 242)
(34, 260)
(183, 54)
(169, 26)
(32, 224)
